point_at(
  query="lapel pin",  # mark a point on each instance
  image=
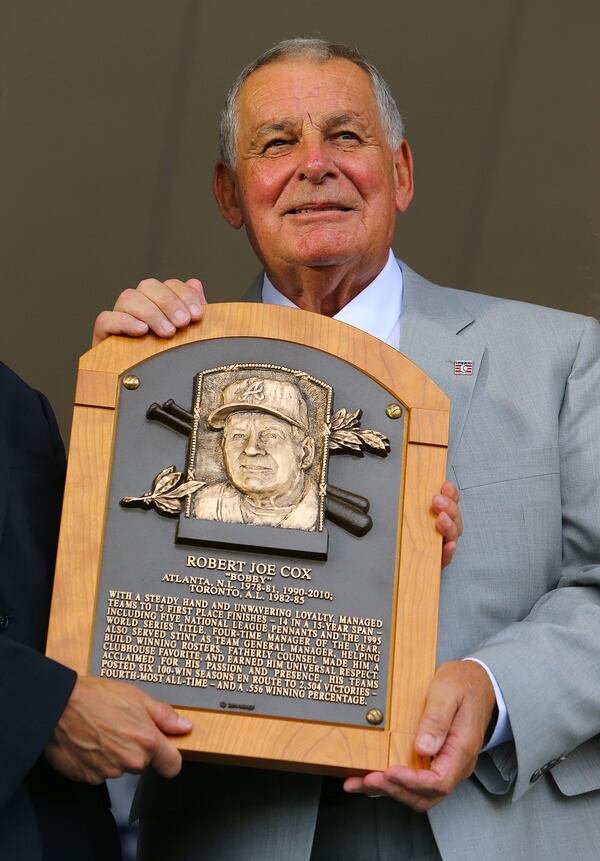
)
(463, 369)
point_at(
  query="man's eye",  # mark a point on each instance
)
(347, 136)
(276, 142)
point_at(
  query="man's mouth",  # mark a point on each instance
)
(320, 207)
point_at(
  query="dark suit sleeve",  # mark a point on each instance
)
(34, 689)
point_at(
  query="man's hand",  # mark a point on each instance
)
(459, 708)
(108, 728)
(449, 520)
(157, 306)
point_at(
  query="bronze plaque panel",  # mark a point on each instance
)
(250, 546)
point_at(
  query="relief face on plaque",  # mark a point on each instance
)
(263, 438)
(259, 441)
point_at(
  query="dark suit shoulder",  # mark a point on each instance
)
(27, 420)
(12, 386)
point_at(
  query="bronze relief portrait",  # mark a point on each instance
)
(259, 447)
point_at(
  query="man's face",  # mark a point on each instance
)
(316, 182)
(262, 454)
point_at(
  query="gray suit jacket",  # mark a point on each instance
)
(522, 592)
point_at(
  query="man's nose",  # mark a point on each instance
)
(315, 163)
(253, 446)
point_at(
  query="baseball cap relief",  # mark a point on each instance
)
(256, 394)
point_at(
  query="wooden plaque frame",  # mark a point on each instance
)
(246, 738)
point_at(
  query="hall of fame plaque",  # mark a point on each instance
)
(247, 534)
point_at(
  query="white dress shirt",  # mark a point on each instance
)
(365, 310)
(377, 310)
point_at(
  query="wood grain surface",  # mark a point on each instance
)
(252, 739)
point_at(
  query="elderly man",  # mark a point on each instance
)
(59, 731)
(315, 166)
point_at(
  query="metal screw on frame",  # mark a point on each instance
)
(375, 716)
(130, 381)
(393, 411)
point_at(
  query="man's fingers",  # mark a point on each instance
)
(448, 551)
(449, 519)
(166, 299)
(447, 527)
(448, 513)
(354, 784)
(437, 718)
(197, 299)
(166, 759)
(401, 784)
(450, 490)
(447, 500)
(191, 296)
(117, 323)
(164, 306)
(373, 785)
(139, 305)
(157, 306)
(424, 781)
(166, 718)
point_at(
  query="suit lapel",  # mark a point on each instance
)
(436, 330)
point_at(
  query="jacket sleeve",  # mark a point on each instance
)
(33, 689)
(548, 664)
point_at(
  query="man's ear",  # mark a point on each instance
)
(308, 447)
(225, 192)
(403, 169)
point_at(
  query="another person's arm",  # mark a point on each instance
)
(108, 728)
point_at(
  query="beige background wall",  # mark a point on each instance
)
(108, 116)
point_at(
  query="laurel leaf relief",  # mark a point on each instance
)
(345, 434)
(344, 420)
(166, 494)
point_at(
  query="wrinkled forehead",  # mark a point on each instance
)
(293, 90)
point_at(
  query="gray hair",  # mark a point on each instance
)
(321, 51)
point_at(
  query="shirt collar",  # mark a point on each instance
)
(376, 310)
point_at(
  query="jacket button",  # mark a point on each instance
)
(3, 622)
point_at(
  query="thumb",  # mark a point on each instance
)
(437, 717)
(166, 718)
